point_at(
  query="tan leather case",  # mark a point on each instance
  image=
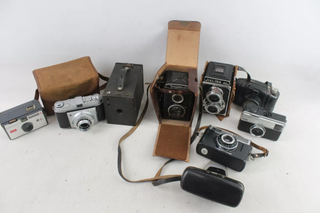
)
(173, 138)
(67, 80)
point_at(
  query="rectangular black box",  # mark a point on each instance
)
(123, 94)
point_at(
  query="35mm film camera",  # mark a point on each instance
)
(80, 112)
(225, 148)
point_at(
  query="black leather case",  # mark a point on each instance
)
(213, 186)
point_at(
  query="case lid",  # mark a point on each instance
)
(173, 141)
(61, 81)
(183, 43)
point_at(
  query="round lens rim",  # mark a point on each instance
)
(177, 95)
(225, 144)
(86, 122)
(176, 105)
(257, 126)
(25, 124)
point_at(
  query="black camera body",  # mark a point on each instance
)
(225, 148)
(217, 87)
(177, 106)
(263, 94)
(260, 122)
(123, 94)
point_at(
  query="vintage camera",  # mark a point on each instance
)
(23, 119)
(123, 94)
(225, 148)
(260, 122)
(263, 94)
(217, 87)
(177, 106)
(212, 183)
(80, 112)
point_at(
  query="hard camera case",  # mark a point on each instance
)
(67, 80)
(173, 138)
(123, 94)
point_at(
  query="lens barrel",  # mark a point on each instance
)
(257, 130)
(176, 111)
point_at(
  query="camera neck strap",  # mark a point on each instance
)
(253, 156)
(163, 178)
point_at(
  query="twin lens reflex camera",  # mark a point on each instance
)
(80, 112)
(217, 87)
(177, 106)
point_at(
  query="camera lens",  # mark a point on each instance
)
(214, 95)
(257, 130)
(227, 141)
(177, 98)
(214, 108)
(84, 125)
(176, 111)
(214, 98)
(27, 127)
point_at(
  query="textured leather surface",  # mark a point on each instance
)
(67, 80)
(183, 43)
(173, 141)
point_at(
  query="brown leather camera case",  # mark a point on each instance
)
(67, 80)
(173, 139)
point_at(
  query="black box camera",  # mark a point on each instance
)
(123, 94)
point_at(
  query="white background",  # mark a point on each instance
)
(57, 170)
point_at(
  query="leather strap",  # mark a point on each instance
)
(193, 137)
(105, 78)
(164, 178)
(253, 156)
(36, 95)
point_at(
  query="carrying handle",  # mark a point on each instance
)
(248, 75)
(123, 72)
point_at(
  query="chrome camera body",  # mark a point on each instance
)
(80, 112)
(217, 86)
(261, 123)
